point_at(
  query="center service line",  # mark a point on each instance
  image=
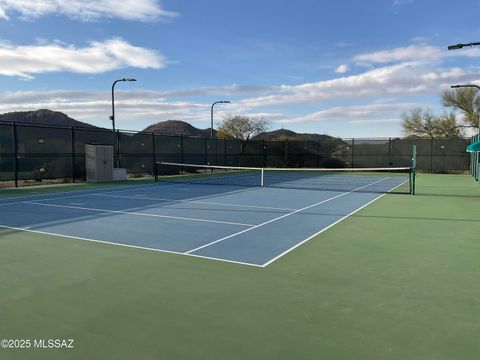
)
(281, 217)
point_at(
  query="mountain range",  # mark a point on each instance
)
(169, 127)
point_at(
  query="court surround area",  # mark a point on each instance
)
(396, 279)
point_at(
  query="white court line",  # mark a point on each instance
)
(195, 202)
(48, 199)
(281, 217)
(22, 198)
(87, 192)
(129, 246)
(328, 227)
(137, 214)
(203, 196)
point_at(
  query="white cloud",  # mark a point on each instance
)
(369, 113)
(401, 54)
(342, 69)
(27, 60)
(404, 79)
(85, 10)
(412, 53)
(375, 121)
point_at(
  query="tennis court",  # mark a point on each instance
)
(217, 216)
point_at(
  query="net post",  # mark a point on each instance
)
(262, 182)
(413, 171)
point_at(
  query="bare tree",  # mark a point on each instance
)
(465, 100)
(242, 127)
(447, 126)
(422, 122)
(419, 122)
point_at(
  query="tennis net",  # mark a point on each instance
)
(374, 180)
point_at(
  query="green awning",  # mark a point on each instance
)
(475, 147)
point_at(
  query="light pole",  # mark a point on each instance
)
(211, 114)
(112, 117)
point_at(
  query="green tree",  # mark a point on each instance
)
(467, 101)
(242, 127)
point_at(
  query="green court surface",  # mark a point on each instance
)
(397, 280)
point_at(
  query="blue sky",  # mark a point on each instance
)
(346, 68)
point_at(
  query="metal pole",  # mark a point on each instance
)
(113, 121)
(263, 153)
(15, 153)
(353, 151)
(390, 152)
(72, 139)
(154, 155)
(112, 117)
(211, 121)
(205, 158)
(211, 114)
(225, 152)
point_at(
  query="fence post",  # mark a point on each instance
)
(263, 153)
(181, 149)
(389, 151)
(154, 155)
(241, 154)
(353, 151)
(225, 151)
(72, 139)
(15, 153)
(205, 156)
(318, 154)
(119, 149)
(431, 155)
(285, 162)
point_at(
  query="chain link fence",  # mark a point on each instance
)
(37, 153)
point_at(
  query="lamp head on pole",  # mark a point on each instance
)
(460, 46)
(129, 79)
(465, 86)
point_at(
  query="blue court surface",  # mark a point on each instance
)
(246, 225)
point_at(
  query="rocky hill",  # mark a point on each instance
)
(42, 117)
(176, 127)
(284, 134)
